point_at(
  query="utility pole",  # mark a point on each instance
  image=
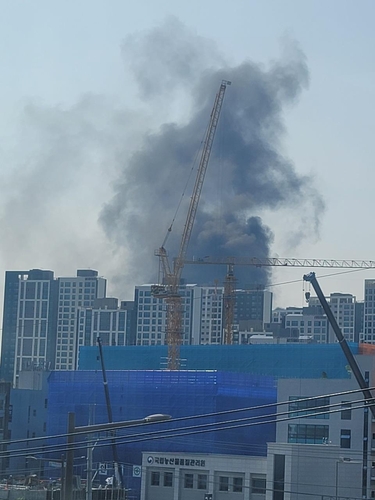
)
(68, 490)
(87, 429)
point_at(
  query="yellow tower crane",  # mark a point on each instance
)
(169, 288)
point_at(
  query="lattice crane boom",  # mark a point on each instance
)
(283, 262)
(201, 173)
(230, 262)
(169, 289)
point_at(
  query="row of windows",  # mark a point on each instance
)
(86, 284)
(308, 434)
(200, 482)
(31, 309)
(73, 297)
(316, 434)
(34, 290)
(32, 328)
(161, 478)
(310, 408)
(309, 323)
(316, 408)
(234, 484)
(30, 347)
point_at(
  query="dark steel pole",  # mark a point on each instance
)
(116, 461)
(342, 341)
(365, 444)
(73, 431)
(68, 490)
(62, 488)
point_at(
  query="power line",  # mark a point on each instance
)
(204, 428)
(205, 415)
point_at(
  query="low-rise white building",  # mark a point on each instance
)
(186, 476)
(288, 472)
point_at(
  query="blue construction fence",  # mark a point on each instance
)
(210, 397)
(276, 360)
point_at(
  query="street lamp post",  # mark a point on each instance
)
(72, 430)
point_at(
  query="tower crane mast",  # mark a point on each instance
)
(169, 289)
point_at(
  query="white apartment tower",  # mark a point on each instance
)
(202, 319)
(106, 320)
(73, 293)
(208, 315)
(369, 313)
(40, 319)
(343, 308)
(34, 315)
(151, 315)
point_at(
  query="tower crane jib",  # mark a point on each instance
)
(230, 262)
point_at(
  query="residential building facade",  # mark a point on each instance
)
(29, 322)
(40, 319)
(106, 321)
(73, 293)
(343, 308)
(369, 313)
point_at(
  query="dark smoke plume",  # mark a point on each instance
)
(247, 175)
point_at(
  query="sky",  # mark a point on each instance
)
(104, 106)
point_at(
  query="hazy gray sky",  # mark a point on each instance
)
(87, 88)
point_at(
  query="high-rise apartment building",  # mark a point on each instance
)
(40, 319)
(151, 315)
(113, 325)
(253, 308)
(202, 315)
(73, 293)
(207, 315)
(29, 322)
(312, 321)
(343, 308)
(369, 313)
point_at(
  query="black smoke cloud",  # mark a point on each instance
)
(247, 175)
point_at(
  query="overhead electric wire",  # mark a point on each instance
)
(320, 277)
(204, 415)
(201, 428)
(206, 427)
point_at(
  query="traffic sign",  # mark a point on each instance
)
(137, 471)
(102, 469)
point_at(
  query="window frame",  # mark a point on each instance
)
(223, 483)
(237, 488)
(166, 477)
(155, 478)
(188, 480)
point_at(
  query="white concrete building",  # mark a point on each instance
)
(151, 315)
(343, 309)
(312, 472)
(202, 319)
(186, 476)
(43, 327)
(369, 313)
(207, 315)
(106, 320)
(341, 427)
(73, 293)
(34, 326)
(288, 472)
(298, 324)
